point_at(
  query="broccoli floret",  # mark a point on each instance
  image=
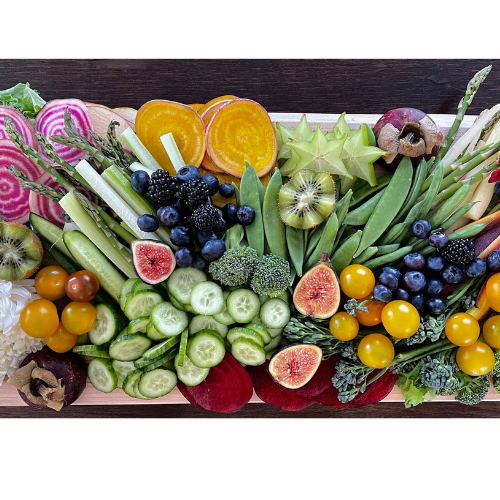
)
(350, 379)
(235, 267)
(474, 390)
(440, 373)
(430, 328)
(271, 276)
(349, 350)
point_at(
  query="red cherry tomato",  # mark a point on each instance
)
(82, 286)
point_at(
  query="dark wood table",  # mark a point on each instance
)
(314, 86)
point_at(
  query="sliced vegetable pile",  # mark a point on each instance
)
(206, 248)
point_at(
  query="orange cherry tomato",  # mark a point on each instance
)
(343, 326)
(376, 351)
(50, 282)
(462, 329)
(373, 316)
(357, 281)
(476, 359)
(491, 331)
(39, 318)
(493, 292)
(61, 340)
(400, 319)
(82, 286)
(78, 317)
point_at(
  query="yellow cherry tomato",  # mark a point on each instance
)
(476, 359)
(357, 281)
(376, 351)
(78, 317)
(61, 340)
(39, 318)
(373, 316)
(50, 282)
(401, 319)
(493, 292)
(462, 329)
(491, 331)
(344, 326)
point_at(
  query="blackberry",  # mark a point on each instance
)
(459, 251)
(205, 218)
(163, 187)
(194, 192)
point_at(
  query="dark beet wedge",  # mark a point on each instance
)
(274, 394)
(227, 388)
(321, 380)
(487, 242)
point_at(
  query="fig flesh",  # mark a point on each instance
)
(153, 260)
(317, 294)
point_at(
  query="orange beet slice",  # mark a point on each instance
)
(157, 118)
(215, 101)
(242, 130)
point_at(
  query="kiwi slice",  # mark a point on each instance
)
(307, 199)
(20, 251)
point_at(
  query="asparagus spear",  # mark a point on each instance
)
(40, 189)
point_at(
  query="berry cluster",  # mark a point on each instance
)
(185, 206)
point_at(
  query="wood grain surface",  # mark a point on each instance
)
(301, 86)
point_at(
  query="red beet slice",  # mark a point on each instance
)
(227, 388)
(488, 242)
(321, 380)
(274, 394)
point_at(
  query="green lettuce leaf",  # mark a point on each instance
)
(23, 98)
(412, 388)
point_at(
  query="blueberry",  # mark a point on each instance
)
(148, 223)
(389, 280)
(421, 229)
(414, 281)
(452, 274)
(188, 173)
(188, 221)
(222, 226)
(401, 294)
(213, 250)
(229, 214)
(382, 293)
(476, 268)
(201, 237)
(226, 190)
(435, 263)
(139, 181)
(418, 302)
(181, 207)
(180, 236)
(497, 188)
(184, 257)
(168, 216)
(245, 215)
(199, 262)
(435, 306)
(493, 261)
(213, 183)
(392, 270)
(434, 288)
(438, 240)
(414, 261)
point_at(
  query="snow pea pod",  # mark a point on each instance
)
(385, 249)
(366, 255)
(447, 209)
(237, 194)
(388, 258)
(295, 243)
(274, 228)
(459, 213)
(360, 215)
(314, 238)
(342, 206)
(326, 242)
(343, 256)
(368, 190)
(393, 197)
(262, 192)
(393, 234)
(249, 195)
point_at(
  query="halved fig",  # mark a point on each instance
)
(321, 380)
(293, 366)
(153, 260)
(317, 294)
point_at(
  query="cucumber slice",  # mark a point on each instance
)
(140, 285)
(168, 320)
(206, 349)
(102, 375)
(181, 282)
(138, 325)
(176, 304)
(157, 383)
(240, 331)
(92, 350)
(106, 325)
(207, 298)
(122, 369)
(188, 373)
(284, 296)
(275, 313)
(202, 322)
(242, 305)
(261, 330)
(275, 332)
(248, 352)
(189, 309)
(126, 291)
(273, 346)
(160, 349)
(129, 382)
(137, 392)
(169, 364)
(183, 347)
(141, 304)
(129, 347)
(223, 316)
(151, 364)
(153, 333)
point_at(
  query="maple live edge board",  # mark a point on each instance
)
(10, 397)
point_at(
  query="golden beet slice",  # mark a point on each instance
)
(215, 101)
(196, 107)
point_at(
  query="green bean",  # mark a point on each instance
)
(459, 213)
(342, 206)
(326, 242)
(295, 243)
(249, 195)
(367, 191)
(274, 228)
(366, 255)
(388, 207)
(388, 258)
(314, 239)
(494, 208)
(449, 206)
(360, 216)
(385, 249)
(237, 194)
(393, 234)
(468, 232)
(344, 255)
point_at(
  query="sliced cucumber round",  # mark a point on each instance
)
(188, 373)
(206, 349)
(275, 313)
(183, 347)
(106, 325)
(181, 282)
(122, 369)
(275, 332)
(242, 305)
(203, 322)
(207, 298)
(137, 392)
(261, 330)
(129, 347)
(126, 291)
(248, 352)
(153, 333)
(274, 344)
(240, 331)
(168, 320)
(157, 383)
(141, 304)
(150, 364)
(138, 325)
(223, 316)
(129, 382)
(98, 351)
(141, 286)
(176, 304)
(102, 375)
(160, 349)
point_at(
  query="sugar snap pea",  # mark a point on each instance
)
(384, 249)
(338, 239)
(344, 254)
(368, 190)
(249, 195)
(455, 216)
(393, 197)
(387, 258)
(314, 238)
(326, 242)
(342, 206)
(468, 232)
(393, 234)
(366, 255)
(449, 206)
(295, 243)
(262, 192)
(360, 215)
(237, 194)
(274, 228)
